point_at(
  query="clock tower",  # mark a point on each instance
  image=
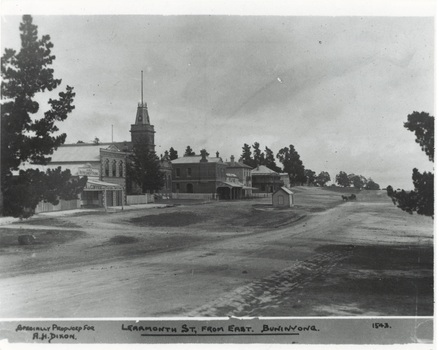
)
(142, 132)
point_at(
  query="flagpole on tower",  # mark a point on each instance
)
(142, 87)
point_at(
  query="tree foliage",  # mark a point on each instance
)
(173, 154)
(270, 161)
(258, 155)
(323, 178)
(342, 179)
(143, 168)
(422, 124)
(29, 136)
(189, 152)
(310, 177)
(292, 165)
(421, 199)
(358, 181)
(371, 185)
(246, 155)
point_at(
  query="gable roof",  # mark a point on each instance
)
(286, 190)
(195, 159)
(237, 165)
(263, 170)
(82, 152)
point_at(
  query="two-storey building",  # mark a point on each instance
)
(198, 174)
(244, 175)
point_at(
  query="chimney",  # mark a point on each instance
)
(217, 154)
(203, 156)
(232, 160)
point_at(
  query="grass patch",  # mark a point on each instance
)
(175, 219)
(49, 222)
(399, 257)
(9, 237)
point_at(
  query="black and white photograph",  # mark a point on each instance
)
(217, 178)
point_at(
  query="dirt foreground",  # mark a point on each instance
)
(324, 257)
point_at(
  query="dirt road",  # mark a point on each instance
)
(321, 258)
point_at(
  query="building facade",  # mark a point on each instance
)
(244, 175)
(283, 198)
(105, 167)
(198, 174)
(105, 164)
(265, 180)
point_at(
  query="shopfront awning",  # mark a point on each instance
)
(231, 184)
(96, 185)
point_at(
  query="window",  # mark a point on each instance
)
(177, 186)
(107, 167)
(113, 168)
(189, 172)
(177, 172)
(121, 168)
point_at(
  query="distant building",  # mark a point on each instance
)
(265, 179)
(105, 165)
(198, 174)
(244, 175)
(166, 168)
(283, 197)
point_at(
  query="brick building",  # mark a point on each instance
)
(198, 174)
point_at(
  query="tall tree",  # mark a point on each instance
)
(421, 199)
(270, 161)
(143, 168)
(342, 179)
(371, 185)
(246, 156)
(173, 154)
(292, 165)
(310, 177)
(189, 152)
(258, 155)
(29, 136)
(358, 181)
(323, 178)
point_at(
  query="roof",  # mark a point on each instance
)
(286, 190)
(195, 159)
(82, 152)
(231, 184)
(100, 185)
(237, 165)
(263, 170)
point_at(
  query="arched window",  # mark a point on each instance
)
(121, 168)
(107, 167)
(113, 168)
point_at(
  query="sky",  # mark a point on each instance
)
(338, 88)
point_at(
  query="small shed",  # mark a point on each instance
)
(283, 197)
